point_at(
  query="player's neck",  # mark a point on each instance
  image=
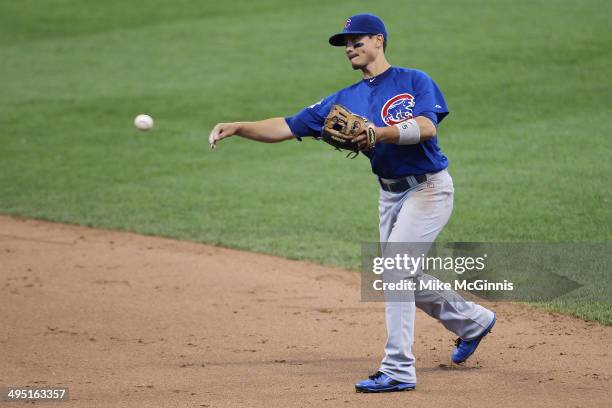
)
(376, 67)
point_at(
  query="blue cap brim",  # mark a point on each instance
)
(338, 40)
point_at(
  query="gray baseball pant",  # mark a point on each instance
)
(418, 215)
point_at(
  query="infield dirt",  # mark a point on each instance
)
(132, 321)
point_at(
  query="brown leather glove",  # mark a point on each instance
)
(342, 126)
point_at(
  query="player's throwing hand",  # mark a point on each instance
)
(221, 131)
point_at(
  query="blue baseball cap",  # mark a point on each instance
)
(359, 24)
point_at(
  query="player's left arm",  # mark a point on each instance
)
(391, 134)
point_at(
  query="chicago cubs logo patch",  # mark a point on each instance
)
(397, 109)
(347, 23)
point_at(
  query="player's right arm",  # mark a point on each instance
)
(268, 131)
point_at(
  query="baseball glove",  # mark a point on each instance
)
(342, 126)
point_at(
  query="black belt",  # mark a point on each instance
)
(402, 184)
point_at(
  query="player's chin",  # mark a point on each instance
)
(357, 66)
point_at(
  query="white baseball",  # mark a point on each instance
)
(143, 122)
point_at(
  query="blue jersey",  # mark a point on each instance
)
(396, 95)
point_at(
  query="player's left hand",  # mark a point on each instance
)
(342, 128)
(367, 139)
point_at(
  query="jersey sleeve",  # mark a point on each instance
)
(309, 121)
(429, 101)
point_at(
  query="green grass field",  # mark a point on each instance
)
(528, 84)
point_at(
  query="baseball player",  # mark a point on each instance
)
(402, 109)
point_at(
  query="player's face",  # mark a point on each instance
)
(360, 50)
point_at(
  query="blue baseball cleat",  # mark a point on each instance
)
(465, 348)
(381, 382)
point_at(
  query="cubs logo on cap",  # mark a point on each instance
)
(359, 24)
(397, 109)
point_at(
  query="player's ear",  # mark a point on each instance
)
(380, 40)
